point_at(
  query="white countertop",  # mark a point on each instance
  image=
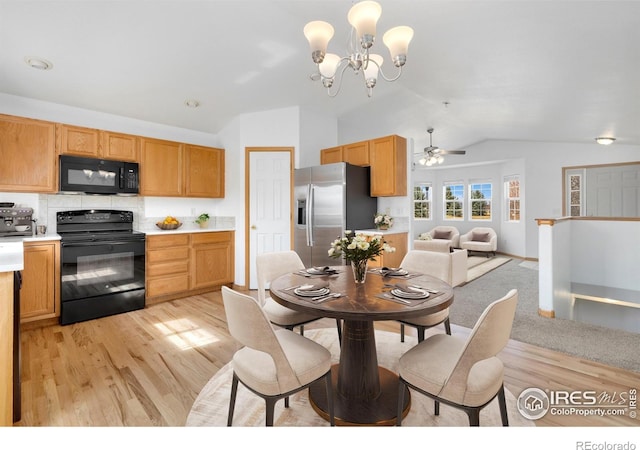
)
(184, 229)
(383, 232)
(11, 255)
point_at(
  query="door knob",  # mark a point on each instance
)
(253, 227)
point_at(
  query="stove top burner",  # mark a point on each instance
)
(89, 225)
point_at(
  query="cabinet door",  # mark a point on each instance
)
(331, 155)
(121, 147)
(204, 171)
(388, 157)
(39, 297)
(212, 259)
(28, 155)
(356, 153)
(78, 141)
(160, 168)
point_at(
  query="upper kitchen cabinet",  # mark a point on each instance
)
(160, 168)
(118, 146)
(172, 169)
(92, 143)
(203, 171)
(331, 155)
(28, 154)
(388, 159)
(356, 153)
(78, 141)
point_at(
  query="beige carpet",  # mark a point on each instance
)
(211, 406)
(480, 265)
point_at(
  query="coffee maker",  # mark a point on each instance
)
(15, 220)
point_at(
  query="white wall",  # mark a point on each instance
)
(317, 131)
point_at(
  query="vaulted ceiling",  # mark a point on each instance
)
(564, 71)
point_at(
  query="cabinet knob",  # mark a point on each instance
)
(253, 227)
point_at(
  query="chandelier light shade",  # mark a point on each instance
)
(363, 18)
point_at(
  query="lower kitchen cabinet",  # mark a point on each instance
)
(183, 264)
(399, 241)
(40, 293)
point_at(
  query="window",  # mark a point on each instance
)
(575, 194)
(512, 198)
(480, 200)
(453, 201)
(422, 201)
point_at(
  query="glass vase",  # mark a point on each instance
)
(359, 270)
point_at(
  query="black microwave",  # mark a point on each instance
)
(98, 176)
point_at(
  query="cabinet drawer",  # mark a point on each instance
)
(168, 268)
(210, 238)
(167, 285)
(171, 240)
(165, 255)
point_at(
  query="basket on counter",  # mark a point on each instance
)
(168, 226)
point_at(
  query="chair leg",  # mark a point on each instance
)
(271, 406)
(436, 408)
(232, 400)
(339, 326)
(474, 417)
(401, 390)
(503, 407)
(447, 326)
(401, 332)
(420, 334)
(301, 330)
(286, 402)
(329, 386)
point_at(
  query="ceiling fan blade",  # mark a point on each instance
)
(452, 152)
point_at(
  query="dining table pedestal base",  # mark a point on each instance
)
(381, 411)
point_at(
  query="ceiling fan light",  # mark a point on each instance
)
(363, 16)
(423, 161)
(397, 40)
(318, 33)
(371, 71)
(329, 65)
(605, 140)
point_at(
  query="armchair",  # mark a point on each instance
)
(480, 239)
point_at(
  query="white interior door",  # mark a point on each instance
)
(269, 205)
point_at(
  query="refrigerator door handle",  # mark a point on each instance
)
(309, 215)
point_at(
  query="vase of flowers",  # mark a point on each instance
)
(358, 249)
(383, 221)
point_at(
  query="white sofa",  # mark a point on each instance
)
(449, 266)
(480, 239)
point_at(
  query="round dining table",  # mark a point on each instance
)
(364, 392)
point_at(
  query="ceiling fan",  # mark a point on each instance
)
(433, 155)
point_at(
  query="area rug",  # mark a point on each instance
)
(211, 406)
(480, 265)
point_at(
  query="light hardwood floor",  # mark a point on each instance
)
(145, 368)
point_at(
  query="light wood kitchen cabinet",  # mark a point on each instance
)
(212, 259)
(78, 141)
(40, 293)
(183, 264)
(388, 158)
(167, 265)
(400, 242)
(28, 149)
(92, 143)
(6, 349)
(161, 168)
(356, 153)
(331, 155)
(203, 171)
(118, 146)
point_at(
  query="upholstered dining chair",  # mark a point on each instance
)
(270, 266)
(463, 373)
(274, 363)
(428, 263)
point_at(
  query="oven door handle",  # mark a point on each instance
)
(96, 243)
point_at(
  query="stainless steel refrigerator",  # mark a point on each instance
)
(330, 199)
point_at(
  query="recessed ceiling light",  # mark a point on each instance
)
(38, 63)
(192, 103)
(605, 140)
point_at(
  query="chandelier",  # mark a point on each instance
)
(363, 17)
